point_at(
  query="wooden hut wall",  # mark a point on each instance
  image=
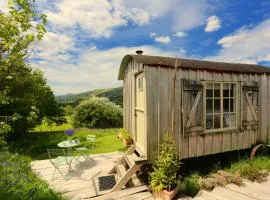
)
(129, 96)
(194, 142)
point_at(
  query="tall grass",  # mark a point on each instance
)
(252, 169)
(17, 181)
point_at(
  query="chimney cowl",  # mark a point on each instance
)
(139, 52)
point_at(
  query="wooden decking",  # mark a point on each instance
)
(82, 181)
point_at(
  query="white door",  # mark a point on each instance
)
(139, 113)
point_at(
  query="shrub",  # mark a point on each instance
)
(97, 113)
(190, 185)
(166, 166)
(17, 181)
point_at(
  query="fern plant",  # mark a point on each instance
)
(165, 166)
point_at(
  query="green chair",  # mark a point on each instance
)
(86, 149)
(58, 157)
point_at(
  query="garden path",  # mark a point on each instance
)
(82, 181)
(248, 191)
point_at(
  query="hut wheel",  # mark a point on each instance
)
(255, 149)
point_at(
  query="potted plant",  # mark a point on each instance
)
(125, 136)
(163, 180)
(119, 134)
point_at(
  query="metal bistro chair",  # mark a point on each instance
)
(86, 149)
(58, 157)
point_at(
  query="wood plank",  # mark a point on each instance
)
(152, 110)
(258, 187)
(121, 169)
(193, 143)
(184, 140)
(234, 140)
(208, 145)
(217, 143)
(240, 139)
(177, 113)
(251, 107)
(226, 142)
(263, 109)
(125, 178)
(248, 192)
(231, 194)
(200, 146)
(193, 110)
(205, 195)
(130, 159)
(122, 193)
(137, 196)
(268, 106)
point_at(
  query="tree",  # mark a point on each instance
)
(24, 94)
(97, 113)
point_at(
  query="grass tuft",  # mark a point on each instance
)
(253, 170)
(190, 185)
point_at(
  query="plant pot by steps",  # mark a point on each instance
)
(127, 142)
(119, 136)
(165, 194)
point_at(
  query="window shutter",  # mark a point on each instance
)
(249, 105)
(192, 105)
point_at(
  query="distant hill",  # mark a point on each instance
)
(113, 94)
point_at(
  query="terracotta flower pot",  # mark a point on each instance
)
(165, 194)
(127, 142)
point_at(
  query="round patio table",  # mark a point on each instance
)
(69, 144)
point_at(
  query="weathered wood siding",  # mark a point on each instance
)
(195, 142)
(129, 96)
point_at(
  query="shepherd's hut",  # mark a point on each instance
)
(209, 107)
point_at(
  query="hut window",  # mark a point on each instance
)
(140, 83)
(220, 105)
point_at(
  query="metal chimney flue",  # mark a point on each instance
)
(139, 52)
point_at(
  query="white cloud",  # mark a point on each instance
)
(139, 16)
(246, 44)
(98, 17)
(163, 39)
(54, 46)
(230, 41)
(180, 34)
(153, 34)
(182, 15)
(213, 24)
(95, 68)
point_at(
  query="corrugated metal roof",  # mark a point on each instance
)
(191, 64)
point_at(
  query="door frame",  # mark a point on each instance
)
(144, 110)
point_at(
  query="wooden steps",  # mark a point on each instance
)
(126, 168)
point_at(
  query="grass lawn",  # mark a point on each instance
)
(35, 144)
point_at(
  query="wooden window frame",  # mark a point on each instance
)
(221, 106)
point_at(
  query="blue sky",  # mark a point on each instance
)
(87, 39)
